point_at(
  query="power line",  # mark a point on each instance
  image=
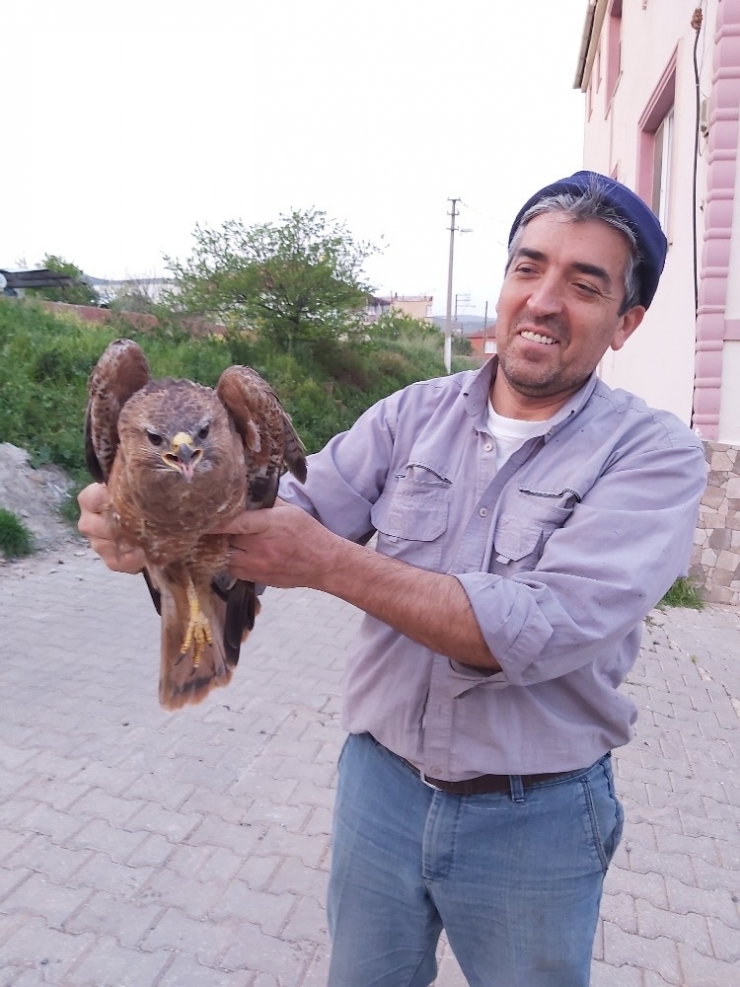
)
(448, 316)
(486, 215)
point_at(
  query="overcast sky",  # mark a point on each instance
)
(125, 124)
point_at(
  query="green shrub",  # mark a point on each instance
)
(683, 593)
(15, 538)
(45, 359)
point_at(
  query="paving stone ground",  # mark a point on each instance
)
(145, 849)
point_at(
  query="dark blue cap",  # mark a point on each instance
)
(643, 222)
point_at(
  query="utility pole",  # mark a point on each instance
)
(448, 318)
(485, 327)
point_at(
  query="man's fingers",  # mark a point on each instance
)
(94, 498)
(246, 523)
(130, 560)
(96, 524)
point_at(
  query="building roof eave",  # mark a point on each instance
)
(589, 42)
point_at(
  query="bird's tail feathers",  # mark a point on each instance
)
(181, 681)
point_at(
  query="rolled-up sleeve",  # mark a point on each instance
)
(622, 547)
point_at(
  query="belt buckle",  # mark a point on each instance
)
(428, 783)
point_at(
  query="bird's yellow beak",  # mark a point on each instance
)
(184, 455)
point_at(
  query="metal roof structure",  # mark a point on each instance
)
(42, 278)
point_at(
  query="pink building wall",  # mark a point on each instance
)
(675, 359)
(713, 329)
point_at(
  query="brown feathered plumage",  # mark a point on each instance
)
(179, 459)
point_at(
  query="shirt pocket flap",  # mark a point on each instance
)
(415, 512)
(515, 538)
(519, 535)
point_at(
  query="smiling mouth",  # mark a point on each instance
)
(536, 337)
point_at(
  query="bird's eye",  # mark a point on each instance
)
(203, 433)
(154, 438)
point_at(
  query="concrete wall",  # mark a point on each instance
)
(195, 325)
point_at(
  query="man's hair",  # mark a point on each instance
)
(580, 208)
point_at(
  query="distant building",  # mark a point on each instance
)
(483, 341)
(109, 289)
(375, 307)
(415, 306)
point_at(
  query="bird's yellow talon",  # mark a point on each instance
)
(198, 633)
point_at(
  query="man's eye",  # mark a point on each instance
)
(154, 438)
(587, 288)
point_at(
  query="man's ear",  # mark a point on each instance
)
(629, 322)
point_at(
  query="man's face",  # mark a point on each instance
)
(558, 311)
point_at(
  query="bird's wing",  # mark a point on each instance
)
(269, 441)
(266, 431)
(121, 371)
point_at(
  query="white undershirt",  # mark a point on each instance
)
(510, 434)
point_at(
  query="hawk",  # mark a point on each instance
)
(180, 459)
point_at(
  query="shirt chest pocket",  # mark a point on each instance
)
(524, 527)
(411, 518)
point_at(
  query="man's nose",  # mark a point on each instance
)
(546, 297)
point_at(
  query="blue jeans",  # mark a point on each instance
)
(514, 878)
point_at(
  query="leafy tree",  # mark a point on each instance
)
(137, 296)
(297, 280)
(78, 293)
(461, 346)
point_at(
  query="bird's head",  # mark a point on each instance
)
(185, 450)
(175, 429)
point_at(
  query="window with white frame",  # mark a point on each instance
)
(662, 153)
(614, 49)
(655, 146)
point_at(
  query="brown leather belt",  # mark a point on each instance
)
(483, 784)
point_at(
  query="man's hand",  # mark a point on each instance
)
(281, 546)
(96, 524)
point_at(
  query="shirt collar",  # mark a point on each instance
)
(477, 385)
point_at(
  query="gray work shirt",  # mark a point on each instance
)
(562, 553)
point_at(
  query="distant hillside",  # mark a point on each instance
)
(468, 323)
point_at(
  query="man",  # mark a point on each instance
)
(528, 518)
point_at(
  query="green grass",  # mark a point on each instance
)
(683, 593)
(15, 538)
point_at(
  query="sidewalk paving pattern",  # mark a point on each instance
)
(147, 849)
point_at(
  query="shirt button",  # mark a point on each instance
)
(483, 512)
(488, 446)
(436, 770)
